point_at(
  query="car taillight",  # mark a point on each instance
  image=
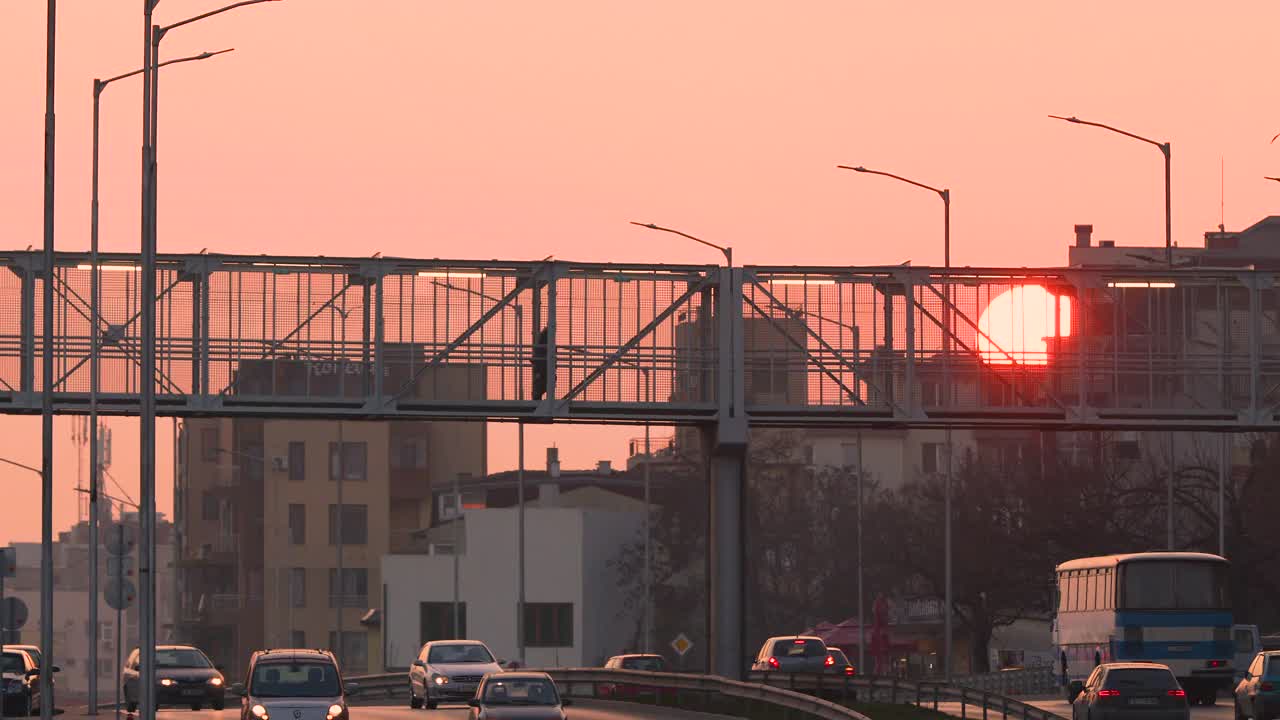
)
(1216, 663)
(1267, 687)
(848, 670)
(1108, 693)
(1177, 693)
(829, 662)
(773, 663)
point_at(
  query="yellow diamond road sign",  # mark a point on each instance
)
(681, 644)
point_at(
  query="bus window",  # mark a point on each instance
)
(1149, 585)
(1091, 591)
(1200, 586)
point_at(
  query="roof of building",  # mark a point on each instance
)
(1112, 560)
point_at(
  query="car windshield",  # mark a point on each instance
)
(12, 663)
(1140, 679)
(652, 664)
(182, 658)
(799, 648)
(1273, 668)
(839, 657)
(451, 654)
(295, 679)
(533, 691)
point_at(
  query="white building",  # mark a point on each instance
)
(575, 602)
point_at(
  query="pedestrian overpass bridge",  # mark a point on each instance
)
(874, 347)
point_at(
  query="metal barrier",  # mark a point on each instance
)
(1028, 681)
(702, 692)
(894, 691)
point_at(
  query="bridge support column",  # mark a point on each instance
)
(726, 540)
(725, 452)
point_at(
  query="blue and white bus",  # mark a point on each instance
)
(1171, 608)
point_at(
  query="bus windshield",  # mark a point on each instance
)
(1175, 585)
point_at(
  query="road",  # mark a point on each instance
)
(580, 710)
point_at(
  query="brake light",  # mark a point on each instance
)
(1216, 663)
(1268, 687)
(773, 663)
(848, 670)
(1177, 693)
(1108, 693)
(829, 662)
(797, 642)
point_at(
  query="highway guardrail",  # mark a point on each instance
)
(973, 701)
(709, 693)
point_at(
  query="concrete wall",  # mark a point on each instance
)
(568, 552)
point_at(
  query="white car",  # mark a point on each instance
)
(449, 670)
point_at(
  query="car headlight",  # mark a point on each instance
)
(167, 682)
(259, 712)
(335, 711)
(439, 679)
(215, 681)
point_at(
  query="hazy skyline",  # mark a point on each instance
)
(512, 130)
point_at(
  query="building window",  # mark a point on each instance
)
(929, 454)
(297, 460)
(298, 638)
(354, 459)
(355, 524)
(849, 454)
(209, 444)
(436, 621)
(353, 653)
(409, 453)
(355, 587)
(297, 588)
(297, 524)
(548, 624)
(209, 507)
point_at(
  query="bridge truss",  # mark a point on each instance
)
(388, 338)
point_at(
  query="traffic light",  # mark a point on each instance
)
(540, 366)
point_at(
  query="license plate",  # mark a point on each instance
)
(1143, 701)
(193, 691)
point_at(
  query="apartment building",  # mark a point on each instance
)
(261, 524)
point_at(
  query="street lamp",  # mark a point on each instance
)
(647, 580)
(945, 195)
(520, 539)
(152, 35)
(95, 313)
(1165, 149)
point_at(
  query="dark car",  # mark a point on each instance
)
(518, 696)
(1258, 694)
(638, 661)
(840, 664)
(184, 676)
(793, 654)
(1129, 691)
(21, 683)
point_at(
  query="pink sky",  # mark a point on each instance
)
(518, 130)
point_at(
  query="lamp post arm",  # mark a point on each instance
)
(100, 84)
(942, 193)
(1164, 147)
(161, 30)
(15, 463)
(728, 252)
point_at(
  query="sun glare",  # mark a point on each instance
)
(1018, 325)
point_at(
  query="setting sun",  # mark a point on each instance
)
(1018, 323)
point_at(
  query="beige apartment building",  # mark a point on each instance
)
(258, 519)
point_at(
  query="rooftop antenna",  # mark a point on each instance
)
(1222, 194)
